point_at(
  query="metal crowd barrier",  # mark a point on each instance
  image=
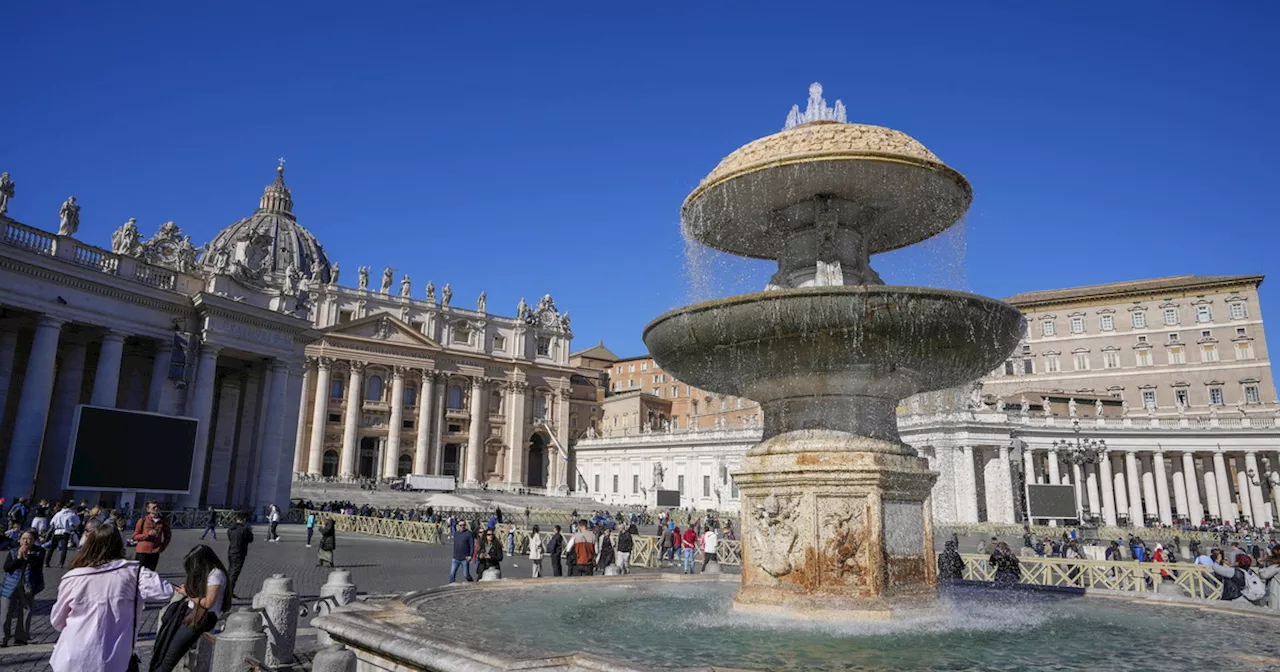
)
(1105, 534)
(1196, 581)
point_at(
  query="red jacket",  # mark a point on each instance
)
(690, 539)
(148, 543)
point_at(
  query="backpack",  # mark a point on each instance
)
(1253, 589)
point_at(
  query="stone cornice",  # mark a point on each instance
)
(102, 284)
(216, 306)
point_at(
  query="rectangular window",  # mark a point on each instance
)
(680, 484)
(1180, 397)
(1149, 398)
(1170, 315)
(1047, 328)
(1008, 368)
(631, 383)
(1215, 396)
(1251, 395)
(1139, 318)
(336, 388)
(675, 391)
(345, 316)
(1144, 358)
(1204, 313)
(635, 483)
(597, 482)
(1051, 364)
(1111, 359)
(1107, 322)
(1142, 339)
(619, 371)
(1237, 310)
(499, 344)
(734, 491)
(615, 484)
(1240, 331)
(419, 326)
(706, 486)
(1206, 333)
(1173, 337)
(644, 366)
(544, 345)
(335, 417)
(631, 368)
(1028, 366)
(1208, 353)
(1082, 361)
(1177, 356)
(1077, 324)
(1244, 350)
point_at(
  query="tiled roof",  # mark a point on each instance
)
(1132, 287)
(597, 351)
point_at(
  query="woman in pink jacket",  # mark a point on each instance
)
(99, 606)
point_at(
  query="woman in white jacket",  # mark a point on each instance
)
(535, 552)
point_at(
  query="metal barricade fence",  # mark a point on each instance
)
(1196, 581)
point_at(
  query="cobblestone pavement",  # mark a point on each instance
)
(377, 566)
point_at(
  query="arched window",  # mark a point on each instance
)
(373, 389)
(404, 465)
(330, 467)
(495, 403)
(336, 388)
(539, 407)
(455, 397)
(410, 395)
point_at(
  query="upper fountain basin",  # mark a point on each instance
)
(907, 194)
(862, 340)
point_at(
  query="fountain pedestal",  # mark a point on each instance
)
(835, 526)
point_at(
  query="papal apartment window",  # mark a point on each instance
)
(1180, 397)
(1142, 339)
(1170, 315)
(1149, 398)
(1144, 358)
(1008, 367)
(1173, 337)
(1111, 359)
(1238, 310)
(1204, 313)
(1206, 333)
(1051, 364)
(544, 345)
(1208, 352)
(1028, 366)
(1077, 324)
(1244, 350)
(1047, 328)
(1107, 322)
(1215, 396)
(1082, 361)
(1251, 395)
(1240, 331)
(1139, 319)
(1177, 356)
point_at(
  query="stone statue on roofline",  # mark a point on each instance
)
(69, 217)
(363, 277)
(386, 280)
(405, 286)
(333, 274)
(6, 192)
(127, 240)
(446, 295)
(431, 292)
(480, 304)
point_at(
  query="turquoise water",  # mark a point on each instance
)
(688, 625)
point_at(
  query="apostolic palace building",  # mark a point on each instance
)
(287, 371)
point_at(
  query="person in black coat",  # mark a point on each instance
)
(555, 549)
(950, 564)
(239, 536)
(328, 542)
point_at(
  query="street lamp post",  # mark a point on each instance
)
(1081, 451)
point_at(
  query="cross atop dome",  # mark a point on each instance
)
(816, 110)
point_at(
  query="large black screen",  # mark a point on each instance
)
(1051, 501)
(114, 449)
(668, 498)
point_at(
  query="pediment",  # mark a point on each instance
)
(382, 328)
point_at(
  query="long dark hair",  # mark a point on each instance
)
(102, 545)
(200, 561)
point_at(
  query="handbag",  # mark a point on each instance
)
(135, 665)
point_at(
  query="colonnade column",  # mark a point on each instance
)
(967, 494)
(1223, 485)
(1242, 492)
(422, 444)
(8, 350)
(1163, 508)
(391, 457)
(106, 379)
(1179, 487)
(273, 440)
(1077, 485)
(1108, 494)
(1212, 502)
(351, 423)
(319, 416)
(1054, 475)
(475, 436)
(1134, 489)
(57, 438)
(302, 447)
(1091, 487)
(159, 376)
(33, 410)
(1261, 512)
(1118, 479)
(1195, 512)
(201, 408)
(1006, 498)
(1150, 507)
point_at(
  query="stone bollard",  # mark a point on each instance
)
(491, 574)
(279, 606)
(242, 636)
(337, 591)
(336, 658)
(712, 567)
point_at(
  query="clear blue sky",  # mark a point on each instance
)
(523, 150)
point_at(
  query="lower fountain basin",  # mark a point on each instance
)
(659, 622)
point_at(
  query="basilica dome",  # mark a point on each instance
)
(290, 243)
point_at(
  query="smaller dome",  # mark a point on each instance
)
(291, 243)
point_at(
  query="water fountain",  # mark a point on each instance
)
(835, 516)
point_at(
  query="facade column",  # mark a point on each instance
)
(33, 410)
(293, 417)
(1195, 512)
(967, 493)
(300, 444)
(1135, 490)
(422, 446)
(391, 460)
(437, 432)
(1091, 487)
(273, 441)
(1242, 491)
(1108, 490)
(1261, 512)
(106, 379)
(1163, 508)
(1179, 487)
(1055, 477)
(475, 436)
(319, 416)
(201, 408)
(66, 395)
(1223, 484)
(351, 423)
(516, 466)
(561, 462)
(8, 350)
(1117, 480)
(1212, 502)
(159, 376)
